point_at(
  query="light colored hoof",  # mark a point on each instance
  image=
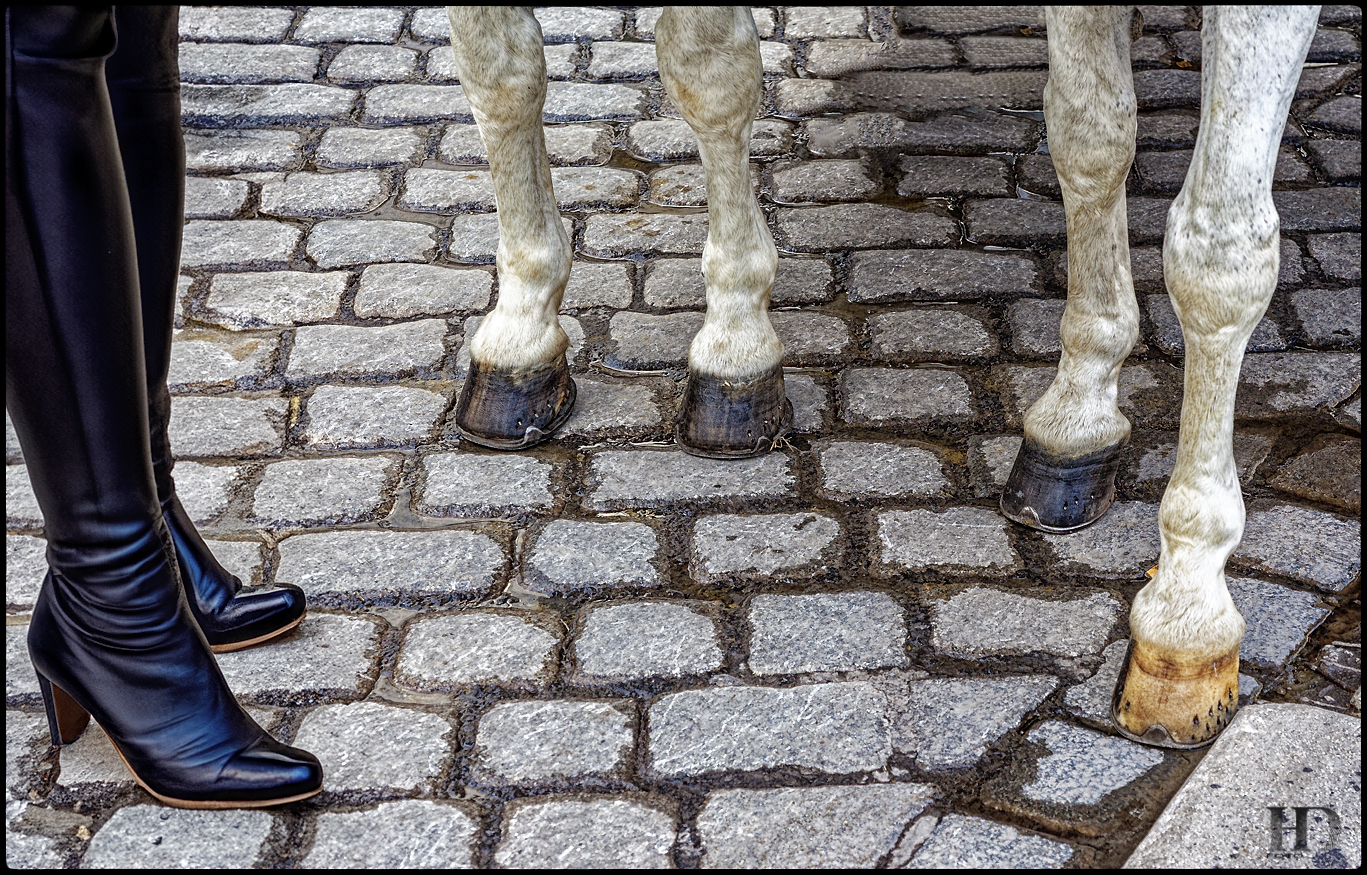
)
(1168, 702)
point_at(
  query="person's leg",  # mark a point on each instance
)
(144, 90)
(110, 635)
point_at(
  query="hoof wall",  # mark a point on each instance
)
(514, 411)
(733, 419)
(1056, 494)
(1165, 704)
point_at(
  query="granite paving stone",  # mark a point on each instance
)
(1338, 255)
(938, 274)
(344, 417)
(247, 106)
(1330, 318)
(306, 492)
(207, 151)
(990, 460)
(405, 349)
(234, 23)
(260, 299)
(971, 177)
(215, 198)
(241, 243)
(471, 484)
(807, 827)
(365, 64)
(340, 193)
(347, 242)
(930, 335)
(614, 406)
(620, 479)
(613, 236)
(822, 181)
(971, 842)
(764, 546)
(25, 566)
(406, 834)
(222, 426)
(960, 540)
(952, 721)
(597, 285)
(365, 147)
(202, 360)
(1279, 619)
(865, 469)
(570, 556)
(548, 741)
(153, 836)
(837, 728)
(330, 654)
(477, 647)
(1311, 546)
(242, 559)
(390, 564)
(398, 104)
(862, 226)
(227, 63)
(589, 833)
(643, 640)
(791, 634)
(204, 490)
(1308, 754)
(1083, 766)
(412, 757)
(399, 291)
(356, 24)
(951, 133)
(880, 397)
(1121, 545)
(21, 503)
(1328, 470)
(980, 622)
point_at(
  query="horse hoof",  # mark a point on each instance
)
(513, 411)
(1057, 494)
(1172, 703)
(733, 419)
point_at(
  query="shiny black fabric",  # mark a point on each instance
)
(110, 627)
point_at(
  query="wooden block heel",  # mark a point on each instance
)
(66, 719)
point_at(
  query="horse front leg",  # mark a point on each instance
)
(1064, 475)
(1220, 261)
(734, 405)
(519, 389)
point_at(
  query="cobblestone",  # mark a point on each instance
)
(838, 728)
(814, 827)
(565, 660)
(389, 564)
(538, 742)
(643, 640)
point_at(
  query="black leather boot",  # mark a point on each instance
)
(111, 634)
(144, 90)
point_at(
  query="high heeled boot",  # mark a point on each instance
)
(144, 90)
(111, 635)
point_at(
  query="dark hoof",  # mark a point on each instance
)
(1057, 494)
(514, 411)
(728, 419)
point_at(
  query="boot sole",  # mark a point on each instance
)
(252, 642)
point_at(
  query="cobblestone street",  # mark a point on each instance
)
(602, 652)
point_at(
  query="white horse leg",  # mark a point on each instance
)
(1220, 260)
(735, 404)
(519, 387)
(1064, 476)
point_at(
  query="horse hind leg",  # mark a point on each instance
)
(1064, 474)
(1220, 261)
(734, 405)
(519, 389)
